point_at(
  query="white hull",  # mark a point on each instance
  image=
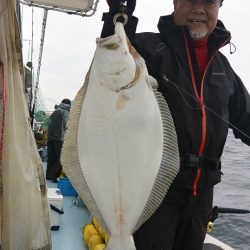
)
(213, 244)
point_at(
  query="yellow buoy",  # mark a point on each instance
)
(95, 222)
(101, 232)
(95, 240)
(106, 238)
(98, 227)
(89, 230)
(100, 247)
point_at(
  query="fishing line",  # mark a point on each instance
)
(183, 91)
(179, 89)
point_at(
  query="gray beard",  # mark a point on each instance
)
(198, 34)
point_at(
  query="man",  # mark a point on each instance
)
(205, 98)
(56, 131)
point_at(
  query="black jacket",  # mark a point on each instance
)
(224, 101)
(58, 122)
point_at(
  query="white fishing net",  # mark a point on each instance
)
(24, 214)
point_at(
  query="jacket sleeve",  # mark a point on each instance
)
(65, 119)
(240, 112)
(55, 127)
(108, 26)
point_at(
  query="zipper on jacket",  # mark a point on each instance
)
(203, 112)
(202, 105)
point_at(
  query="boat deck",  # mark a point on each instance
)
(69, 236)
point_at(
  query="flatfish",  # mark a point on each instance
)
(120, 150)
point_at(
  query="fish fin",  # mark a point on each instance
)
(170, 162)
(69, 157)
(151, 81)
(121, 243)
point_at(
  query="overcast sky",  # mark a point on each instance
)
(70, 42)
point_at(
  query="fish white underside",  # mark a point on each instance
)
(120, 149)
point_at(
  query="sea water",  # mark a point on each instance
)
(234, 192)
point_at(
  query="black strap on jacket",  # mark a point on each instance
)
(195, 161)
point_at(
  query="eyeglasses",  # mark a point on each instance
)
(208, 3)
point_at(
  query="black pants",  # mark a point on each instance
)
(180, 222)
(54, 166)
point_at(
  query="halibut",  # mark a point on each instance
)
(120, 150)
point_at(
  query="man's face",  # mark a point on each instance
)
(200, 16)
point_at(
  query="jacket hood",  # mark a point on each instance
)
(64, 106)
(172, 33)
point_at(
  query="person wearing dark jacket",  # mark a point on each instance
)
(56, 132)
(205, 97)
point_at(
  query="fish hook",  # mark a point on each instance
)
(121, 13)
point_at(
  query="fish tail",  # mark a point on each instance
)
(121, 243)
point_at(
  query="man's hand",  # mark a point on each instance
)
(114, 6)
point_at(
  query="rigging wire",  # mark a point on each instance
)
(34, 89)
(31, 59)
(45, 15)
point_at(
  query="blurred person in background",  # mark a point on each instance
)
(56, 132)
